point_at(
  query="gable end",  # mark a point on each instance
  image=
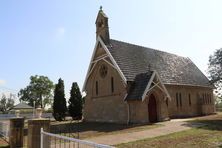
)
(104, 57)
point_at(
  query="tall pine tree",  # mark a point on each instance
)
(75, 102)
(59, 104)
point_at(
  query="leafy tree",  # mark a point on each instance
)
(39, 90)
(75, 102)
(6, 103)
(215, 71)
(218, 101)
(59, 104)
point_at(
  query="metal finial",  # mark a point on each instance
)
(101, 7)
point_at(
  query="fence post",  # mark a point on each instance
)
(34, 133)
(16, 132)
(7, 131)
(41, 137)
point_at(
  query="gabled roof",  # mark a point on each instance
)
(22, 106)
(138, 86)
(134, 60)
(143, 84)
(93, 62)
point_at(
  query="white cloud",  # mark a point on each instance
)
(2, 82)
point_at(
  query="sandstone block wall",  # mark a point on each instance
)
(106, 106)
(200, 101)
(139, 112)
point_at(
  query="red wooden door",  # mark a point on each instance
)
(152, 109)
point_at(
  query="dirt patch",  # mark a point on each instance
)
(3, 143)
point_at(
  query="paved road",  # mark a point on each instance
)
(168, 128)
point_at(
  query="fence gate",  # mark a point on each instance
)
(60, 141)
(4, 130)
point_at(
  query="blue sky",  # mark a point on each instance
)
(56, 38)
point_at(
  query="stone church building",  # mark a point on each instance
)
(128, 83)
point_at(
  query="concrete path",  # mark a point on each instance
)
(168, 128)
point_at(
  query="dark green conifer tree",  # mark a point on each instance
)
(59, 104)
(75, 102)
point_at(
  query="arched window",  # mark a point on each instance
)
(177, 99)
(167, 102)
(97, 91)
(204, 101)
(112, 85)
(180, 100)
(210, 98)
(189, 99)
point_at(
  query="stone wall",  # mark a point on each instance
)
(198, 105)
(138, 112)
(107, 105)
(139, 109)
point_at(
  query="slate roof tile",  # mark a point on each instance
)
(134, 60)
(138, 86)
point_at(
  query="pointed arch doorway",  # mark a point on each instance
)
(152, 109)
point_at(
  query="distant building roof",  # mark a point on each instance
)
(22, 105)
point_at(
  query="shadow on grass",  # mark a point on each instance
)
(214, 124)
(6, 146)
(91, 126)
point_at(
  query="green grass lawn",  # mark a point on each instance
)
(4, 146)
(209, 135)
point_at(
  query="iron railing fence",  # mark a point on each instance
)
(60, 141)
(4, 130)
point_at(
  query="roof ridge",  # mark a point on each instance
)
(149, 48)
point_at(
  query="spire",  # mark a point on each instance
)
(102, 27)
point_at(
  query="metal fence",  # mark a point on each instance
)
(60, 141)
(4, 130)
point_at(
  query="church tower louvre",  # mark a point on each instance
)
(102, 27)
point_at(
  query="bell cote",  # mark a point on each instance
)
(102, 27)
